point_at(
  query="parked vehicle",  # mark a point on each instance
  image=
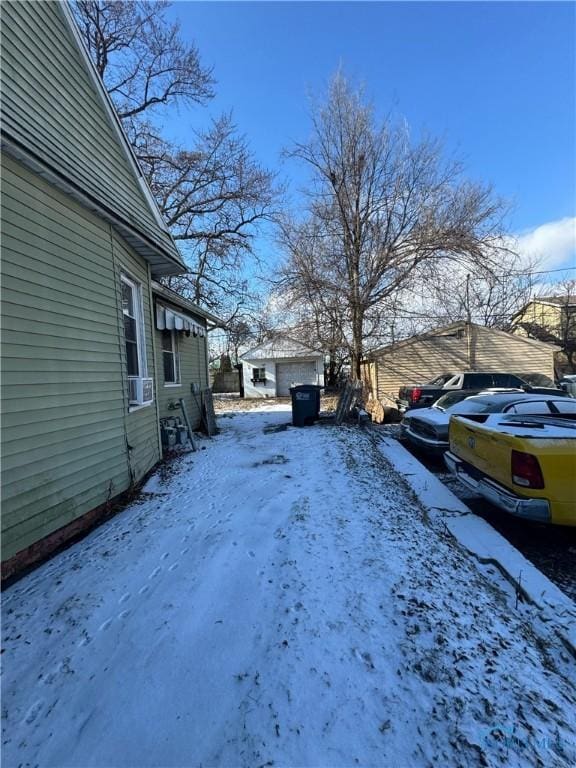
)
(524, 464)
(424, 395)
(427, 428)
(568, 384)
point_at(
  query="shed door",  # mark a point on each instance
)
(289, 374)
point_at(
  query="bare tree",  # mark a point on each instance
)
(213, 193)
(488, 293)
(380, 207)
(140, 56)
(240, 334)
(213, 196)
(305, 314)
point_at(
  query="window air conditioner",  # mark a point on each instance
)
(140, 391)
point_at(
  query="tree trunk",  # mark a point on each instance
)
(357, 343)
(331, 378)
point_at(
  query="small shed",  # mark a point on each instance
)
(460, 346)
(271, 368)
(181, 347)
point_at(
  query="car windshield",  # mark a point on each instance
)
(537, 379)
(446, 402)
(475, 405)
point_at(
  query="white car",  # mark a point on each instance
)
(427, 428)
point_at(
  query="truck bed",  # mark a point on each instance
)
(485, 444)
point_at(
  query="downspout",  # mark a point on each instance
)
(207, 356)
(154, 359)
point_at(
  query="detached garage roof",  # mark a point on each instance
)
(281, 348)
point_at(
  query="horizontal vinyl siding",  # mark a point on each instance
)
(425, 359)
(499, 352)
(64, 403)
(52, 106)
(193, 370)
(51, 519)
(141, 423)
(419, 362)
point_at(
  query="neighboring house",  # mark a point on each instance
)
(181, 353)
(551, 319)
(270, 369)
(82, 239)
(457, 347)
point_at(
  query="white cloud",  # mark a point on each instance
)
(553, 244)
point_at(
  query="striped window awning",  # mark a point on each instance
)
(169, 320)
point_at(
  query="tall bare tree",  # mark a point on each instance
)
(485, 293)
(213, 196)
(380, 207)
(212, 192)
(141, 56)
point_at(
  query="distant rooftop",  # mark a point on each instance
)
(280, 347)
(560, 300)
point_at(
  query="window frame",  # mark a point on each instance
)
(175, 352)
(259, 379)
(137, 300)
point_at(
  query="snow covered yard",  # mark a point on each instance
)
(280, 600)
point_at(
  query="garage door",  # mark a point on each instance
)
(288, 374)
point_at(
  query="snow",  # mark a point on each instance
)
(533, 428)
(431, 415)
(280, 598)
(485, 543)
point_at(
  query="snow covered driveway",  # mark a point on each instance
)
(281, 600)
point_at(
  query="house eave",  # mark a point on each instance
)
(162, 262)
(115, 120)
(268, 353)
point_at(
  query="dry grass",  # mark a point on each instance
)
(225, 403)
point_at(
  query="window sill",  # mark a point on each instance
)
(173, 386)
(133, 408)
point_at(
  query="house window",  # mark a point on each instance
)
(133, 328)
(170, 357)
(259, 375)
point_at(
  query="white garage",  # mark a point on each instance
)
(289, 374)
(270, 369)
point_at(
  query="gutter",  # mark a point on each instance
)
(174, 263)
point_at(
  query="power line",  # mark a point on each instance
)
(529, 273)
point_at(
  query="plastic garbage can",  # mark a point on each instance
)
(305, 404)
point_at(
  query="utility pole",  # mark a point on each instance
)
(468, 313)
(469, 325)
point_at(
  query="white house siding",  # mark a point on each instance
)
(259, 390)
(271, 388)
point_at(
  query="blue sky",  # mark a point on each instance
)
(495, 80)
